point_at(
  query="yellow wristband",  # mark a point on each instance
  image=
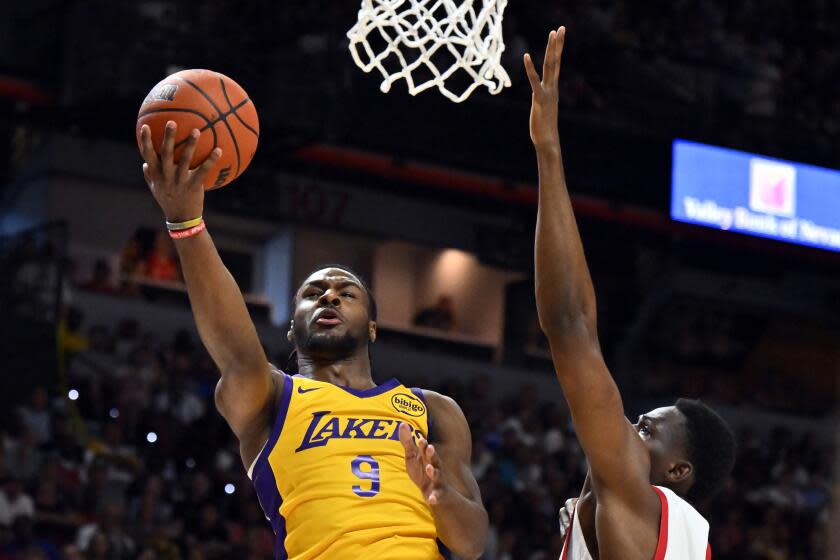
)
(178, 226)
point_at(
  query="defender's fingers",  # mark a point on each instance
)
(564, 522)
(187, 155)
(533, 77)
(549, 49)
(201, 173)
(558, 55)
(147, 149)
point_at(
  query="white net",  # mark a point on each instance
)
(427, 42)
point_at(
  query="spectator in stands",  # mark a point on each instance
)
(72, 340)
(22, 455)
(98, 548)
(25, 544)
(54, 505)
(71, 552)
(101, 280)
(127, 338)
(108, 534)
(439, 316)
(131, 258)
(14, 502)
(161, 264)
(36, 416)
(121, 458)
(99, 489)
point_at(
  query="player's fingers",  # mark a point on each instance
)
(432, 457)
(146, 175)
(200, 174)
(433, 498)
(422, 446)
(187, 155)
(432, 473)
(407, 440)
(147, 149)
(167, 148)
(533, 77)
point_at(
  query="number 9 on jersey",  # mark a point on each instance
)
(366, 468)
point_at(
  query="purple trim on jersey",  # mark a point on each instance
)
(422, 396)
(373, 391)
(280, 552)
(444, 552)
(264, 481)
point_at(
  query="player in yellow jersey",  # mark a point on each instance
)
(342, 466)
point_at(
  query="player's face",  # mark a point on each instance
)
(663, 432)
(332, 317)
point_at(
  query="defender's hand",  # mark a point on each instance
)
(567, 513)
(177, 189)
(423, 466)
(546, 91)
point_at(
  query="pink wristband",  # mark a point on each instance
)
(188, 232)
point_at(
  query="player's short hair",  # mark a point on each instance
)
(711, 447)
(371, 300)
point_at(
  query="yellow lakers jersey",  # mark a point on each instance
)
(331, 478)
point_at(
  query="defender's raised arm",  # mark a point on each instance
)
(567, 308)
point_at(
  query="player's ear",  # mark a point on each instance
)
(680, 471)
(372, 331)
(290, 335)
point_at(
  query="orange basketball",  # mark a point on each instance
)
(215, 105)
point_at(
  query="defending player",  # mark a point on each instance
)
(635, 502)
(341, 466)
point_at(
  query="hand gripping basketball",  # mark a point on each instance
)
(177, 189)
(214, 104)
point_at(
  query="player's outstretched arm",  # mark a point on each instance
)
(442, 472)
(244, 393)
(566, 307)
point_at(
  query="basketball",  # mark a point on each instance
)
(215, 105)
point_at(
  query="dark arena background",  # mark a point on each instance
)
(110, 445)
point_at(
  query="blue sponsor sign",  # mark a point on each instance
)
(755, 195)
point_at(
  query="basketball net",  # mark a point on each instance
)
(414, 31)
